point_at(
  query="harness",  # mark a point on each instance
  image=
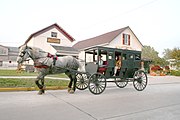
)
(53, 57)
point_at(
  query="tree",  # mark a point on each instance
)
(150, 53)
(175, 54)
(172, 54)
(167, 53)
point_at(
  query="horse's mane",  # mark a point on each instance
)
(38, 52)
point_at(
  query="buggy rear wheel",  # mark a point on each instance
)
(140, 80)
(82, 81)
(121, 83)
(97, 83)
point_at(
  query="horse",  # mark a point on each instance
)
(49, 64)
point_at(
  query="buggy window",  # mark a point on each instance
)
(124, 57)
(103, 53)
(110, 55)
(137, 57)
(131, 56)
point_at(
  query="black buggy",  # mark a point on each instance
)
(96, 77)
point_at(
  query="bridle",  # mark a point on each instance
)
(23, 53)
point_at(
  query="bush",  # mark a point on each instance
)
(175, 72)
(156, 68)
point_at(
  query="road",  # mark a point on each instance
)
(159, 101)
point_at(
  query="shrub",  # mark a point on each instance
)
(175, 72)
(156, 68)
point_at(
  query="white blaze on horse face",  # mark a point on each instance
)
(19, 59)
(22, 54)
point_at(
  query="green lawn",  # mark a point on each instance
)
(23, 73)
(15, 73)
(28, 82)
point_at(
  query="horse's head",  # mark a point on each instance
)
(24, 53)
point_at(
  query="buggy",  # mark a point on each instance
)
(96, 77)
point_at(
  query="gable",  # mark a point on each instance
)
(106, 39)
(56, 26)
(131, 42)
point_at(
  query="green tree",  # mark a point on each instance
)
(175, 54)
(167, 53)
(150, 53)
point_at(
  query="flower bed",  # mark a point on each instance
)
(156, 70)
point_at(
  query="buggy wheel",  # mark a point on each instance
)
(97, 83)
(140, 80)
(121, 83)
(82, 81)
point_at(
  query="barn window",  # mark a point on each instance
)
(54, 34)
(126, 39)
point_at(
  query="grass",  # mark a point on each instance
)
(175, 72)
(23, 73)
(15, 73)
(29, 82)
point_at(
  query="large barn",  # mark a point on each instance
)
(53, 39)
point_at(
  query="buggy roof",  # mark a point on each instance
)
(112, 49)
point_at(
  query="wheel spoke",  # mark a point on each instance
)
(140, 80)
(120, 82)
(82, 83)
(97, 83)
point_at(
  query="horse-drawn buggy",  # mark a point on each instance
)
(96, 76)
(100, 67)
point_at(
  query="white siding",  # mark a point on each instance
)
(118, 43)
(41, 41)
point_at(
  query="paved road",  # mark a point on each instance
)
(159, 101)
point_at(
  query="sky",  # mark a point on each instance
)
(155, 22)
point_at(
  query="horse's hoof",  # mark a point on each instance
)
(41, 92)
(71, 91)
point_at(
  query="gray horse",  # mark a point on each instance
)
(49, 64)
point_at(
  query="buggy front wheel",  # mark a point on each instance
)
(97, 83)
(82, 81)
(140, 80)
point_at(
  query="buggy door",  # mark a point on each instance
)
(130, 61)
(111, 62)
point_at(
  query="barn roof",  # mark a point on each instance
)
(101, 39)
(98, 40)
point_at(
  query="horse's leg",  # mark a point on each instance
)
(43, 89)
(71, 80)
(40, 86)
(75, 80)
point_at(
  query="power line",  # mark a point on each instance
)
(126, 12)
